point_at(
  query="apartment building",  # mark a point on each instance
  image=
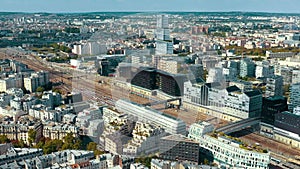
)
(59, 131)
(145, 140)
(229, 152)
(35, 80)
(13, 155)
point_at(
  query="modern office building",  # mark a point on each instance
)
(89, 48)
(286, 73)
(178, 147)
(215, 75)
(235, 65)
(197, 93)
(162, 28)
(103, 67)
(146, 78)
(196, 73)
(171, 84)
(272, 106)
(294, 96)
(274, 86)
(288, 121)
(243, 85)
(152, 79)
(169, 123)
(12, 81)
(164, 45)
(247, 68)
(210, 62)
(263, 69)
(232, 101)
(295, 76)
(286, 128)
(230, 74)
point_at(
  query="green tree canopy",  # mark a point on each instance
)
(40, 89)
(4, 139)
(31, 136)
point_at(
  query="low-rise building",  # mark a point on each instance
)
(166, 164)
(19, 154)
(19, 130)
(145, 140)
(46, 114)
(59, 131)
(64, 159)
(138, 166)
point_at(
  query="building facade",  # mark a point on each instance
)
(169, 123)
(178, 147)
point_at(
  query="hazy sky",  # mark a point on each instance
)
(287, 6)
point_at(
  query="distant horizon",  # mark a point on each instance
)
(89, 6)
(78, 12)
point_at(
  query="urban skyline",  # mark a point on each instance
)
(56, 6)
(141, 90)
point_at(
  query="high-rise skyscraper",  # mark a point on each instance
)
(294, 96)
(274, 86)
(164, 44)
(162, 29)
(163, 21)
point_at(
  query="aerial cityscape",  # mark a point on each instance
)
(138, 85)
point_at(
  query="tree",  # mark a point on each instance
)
(71, 142)
(91, 146)
(145, 160)
(31, 136)
(40, 89)
(57, 90)
(206, 162)
(4, 139)
(18, 143)
(52, 146)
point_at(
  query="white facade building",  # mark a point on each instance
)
(274, 86)
(215, 75)
(145, 140)
(227, 152)
(35, 80)
(171, 124)
(263, 69)
(235, 103)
